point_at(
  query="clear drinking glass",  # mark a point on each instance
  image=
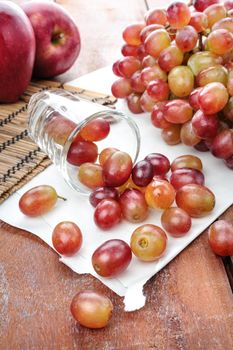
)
(56, 118)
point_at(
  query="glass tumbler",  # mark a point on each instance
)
(57, 119)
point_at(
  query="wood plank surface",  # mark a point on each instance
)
(189, 303)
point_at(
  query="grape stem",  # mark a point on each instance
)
(63, 198)
(200, 42)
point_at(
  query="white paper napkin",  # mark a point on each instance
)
(77, 208)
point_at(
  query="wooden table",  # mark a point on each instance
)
(189, 303)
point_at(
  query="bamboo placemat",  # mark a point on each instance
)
(20, 158)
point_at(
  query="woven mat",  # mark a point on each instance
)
(20, 158)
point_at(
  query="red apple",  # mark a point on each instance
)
(57, 38)
(17, 48)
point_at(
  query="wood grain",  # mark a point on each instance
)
(189, 303)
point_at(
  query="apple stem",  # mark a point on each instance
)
(57, 37)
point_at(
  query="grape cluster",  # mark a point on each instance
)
(178, 66)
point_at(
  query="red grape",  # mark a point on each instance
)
(171, 134)
(149, 29)
(205, 126)
(127, 66)
(201, 5)
(222, 145)
(131, 33)
(156, 41)
(157, 116)
(146, 102)
(178, 14)
(152, 73)
(170, 57)
(95, 130)
(67, 238)
(102, 193)
(220, 235)
(91, 309)
(136, 83)
(107, 214)
(214, 13)
(176, 221)
(185, 176)
(212, 98)
(129, 50)
(178, 111)
(196, 200)
(193, 98)
(38, 200)
(186, 161)
(186, 38)
(199, 21)
(134, 103)
(160, 194)
(111, 258)
(133, 205)
(158, 90)
(121, 88)
(181, 81)
(157, 16)
(91, 175)
(187, 135)
(106, 153)
(115, 69)
(220, 41)
(142, 173)
(117, 169)
(159, 162)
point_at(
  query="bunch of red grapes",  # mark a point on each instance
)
(178, 65)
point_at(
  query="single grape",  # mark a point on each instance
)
(115, 69)
(159, 162)
(201, 5)
(148, 242)
(156, 16)
(107, 213)
(121, 88)
(151, 73)
(91, 175)
(149, 29)
(214, 13)
(171, 135)
(225, 23)
(38, 200)
(196, 200)
(102, 193)
(185, 176)
(134, 103)
(186, 38)
(178, 14)
(148, 61)
(193, 99)
(176, 221)
(160, 194)
(205, 126)
(222, 145)
(81, 152)
(156, 41)
(136, 83)
(170, 57)
(111, 258)
(213, 97)
(186, 161)
(220, 41)
(95, 130)
(158, 90)
(178, 111)
(217, 73)
(67, 238)
(133, 205)
(91, 309)
(105, 154)
(202, 60)
(127, 66)
(199, 21)
(117, 169)
(187, 134)
(146, 102)
(157, 116)
(181, 81)
(142, 173)
(131, 33)
(220, 237)
(129, 50)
